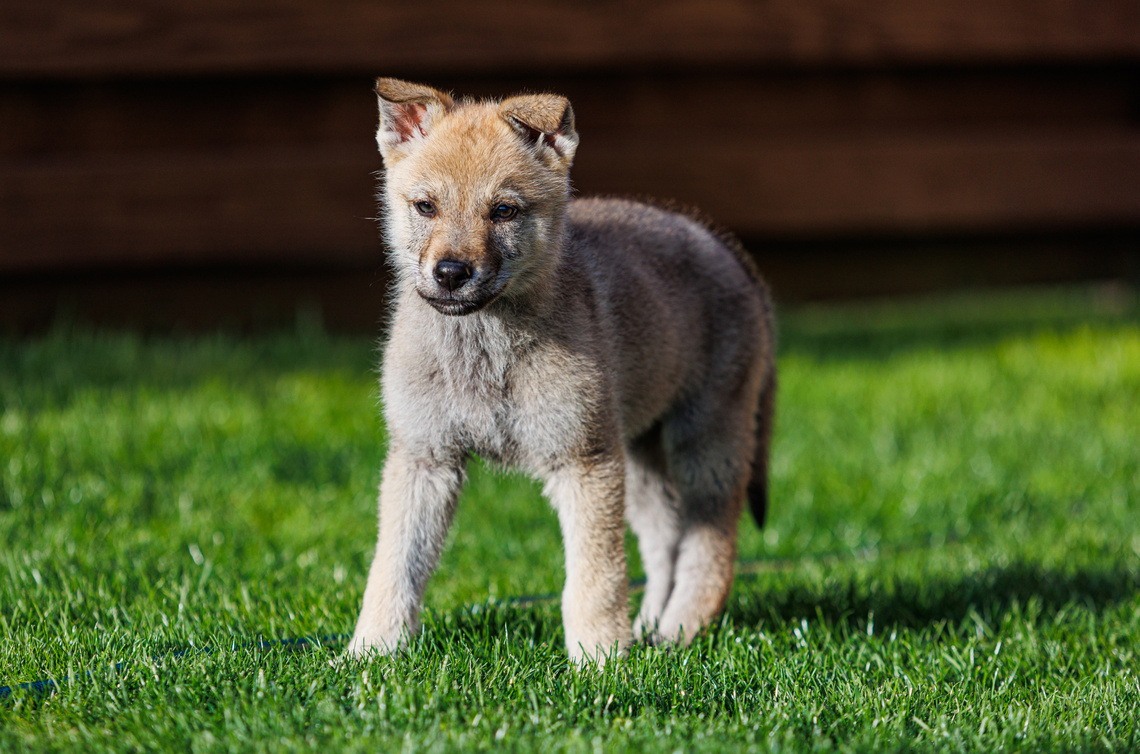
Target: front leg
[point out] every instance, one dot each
(589, 496)
(417, 501)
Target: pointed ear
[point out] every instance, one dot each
(407, 113)
(546, 122)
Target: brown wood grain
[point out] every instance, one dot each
(75, 38)
(313, 207)
(47, 118)
(275, 207)
(836, 185)
(184, 300)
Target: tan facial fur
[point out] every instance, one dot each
(466, 163)
(620, 352)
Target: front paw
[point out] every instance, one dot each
(597, 655)
(365, 644)
(594, 636)
(596, 642)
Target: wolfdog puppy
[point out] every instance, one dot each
(619, 352)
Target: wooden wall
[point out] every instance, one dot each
(169, 137)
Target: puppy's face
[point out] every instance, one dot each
(474, 194)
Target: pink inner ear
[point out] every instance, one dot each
(408, 119)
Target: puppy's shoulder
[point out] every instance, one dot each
(656, 227)
(623, 214)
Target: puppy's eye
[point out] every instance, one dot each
(427, 209)
(503, 212)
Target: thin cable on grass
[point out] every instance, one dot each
(46, 686)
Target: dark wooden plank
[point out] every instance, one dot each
(255, 207)
(74, 38)
(49, 118)
(833, 185)
(268, 297)
(45, 119)
(312, 207)
(165, 299)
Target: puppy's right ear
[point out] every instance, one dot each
(407, 113)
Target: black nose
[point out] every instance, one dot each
(452, 274)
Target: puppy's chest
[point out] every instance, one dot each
(516, 406)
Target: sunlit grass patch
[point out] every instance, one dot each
(952, 559)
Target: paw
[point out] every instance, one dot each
(645, 630)
(595, 636)
(597, 655)
(677, 633)
(364, 645)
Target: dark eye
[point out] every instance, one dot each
(503, 212)
(427, 209)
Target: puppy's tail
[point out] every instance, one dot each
(765, 415)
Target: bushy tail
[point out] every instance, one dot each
(758, 486)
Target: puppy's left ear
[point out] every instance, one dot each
(546, 123)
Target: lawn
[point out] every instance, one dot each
(952, 560)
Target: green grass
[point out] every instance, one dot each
(952, 560)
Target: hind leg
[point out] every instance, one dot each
(652, 512)
(703, 575)
(710, 464)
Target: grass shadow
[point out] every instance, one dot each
(918, 602)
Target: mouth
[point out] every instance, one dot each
(454, 307)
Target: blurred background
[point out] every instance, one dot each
(176, 164)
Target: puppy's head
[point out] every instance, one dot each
(475, 192)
